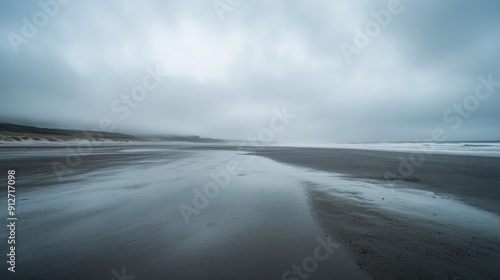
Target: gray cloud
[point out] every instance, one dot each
(225, 77)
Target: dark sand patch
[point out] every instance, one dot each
(390, 246)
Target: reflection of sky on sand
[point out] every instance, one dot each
(128, 215)
(401, 199)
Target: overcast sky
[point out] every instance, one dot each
(227, 65)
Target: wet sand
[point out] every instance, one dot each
(473, 180)
(119, 208)
(401, 244)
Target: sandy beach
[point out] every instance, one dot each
(284, 213)
(418, 239)
(119, 208)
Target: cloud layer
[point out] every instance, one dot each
(230, 63)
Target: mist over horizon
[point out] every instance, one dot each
(222, 71)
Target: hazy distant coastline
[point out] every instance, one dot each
(29, 134)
